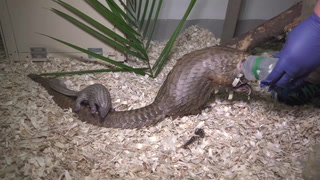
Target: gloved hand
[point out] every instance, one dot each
(299, 56)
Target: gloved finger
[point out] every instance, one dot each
(265, 83)
(273, 77)
(277, 55)
(299, 80)
(285, 79)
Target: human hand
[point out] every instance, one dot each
(299, 56)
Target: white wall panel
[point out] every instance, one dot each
(22, 19)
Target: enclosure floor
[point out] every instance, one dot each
(244, 139)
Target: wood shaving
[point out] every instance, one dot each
(255, 139)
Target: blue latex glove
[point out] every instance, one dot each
(299, 56)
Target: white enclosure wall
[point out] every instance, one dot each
(210, 14)
(22, 19)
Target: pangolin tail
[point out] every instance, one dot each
(131, 119)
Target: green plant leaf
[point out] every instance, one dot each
(119, 23)
(121, 65)
(107, 14)
(137, 14)
(158, 66)
(148, 21)
(97, 34)
(144, 14)
(89, 71)
(154, 23)
(128, 11)
(139, 10)
(119, 12)
(133, 7)
(99, 26)
(113, 7)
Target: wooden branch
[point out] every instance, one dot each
(271, 28)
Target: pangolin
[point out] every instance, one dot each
(185, 91)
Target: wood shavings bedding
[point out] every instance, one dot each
(255, 139)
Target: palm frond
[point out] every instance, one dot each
(135, 22)
(157, 67)
(154, 23)
(121, 65)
